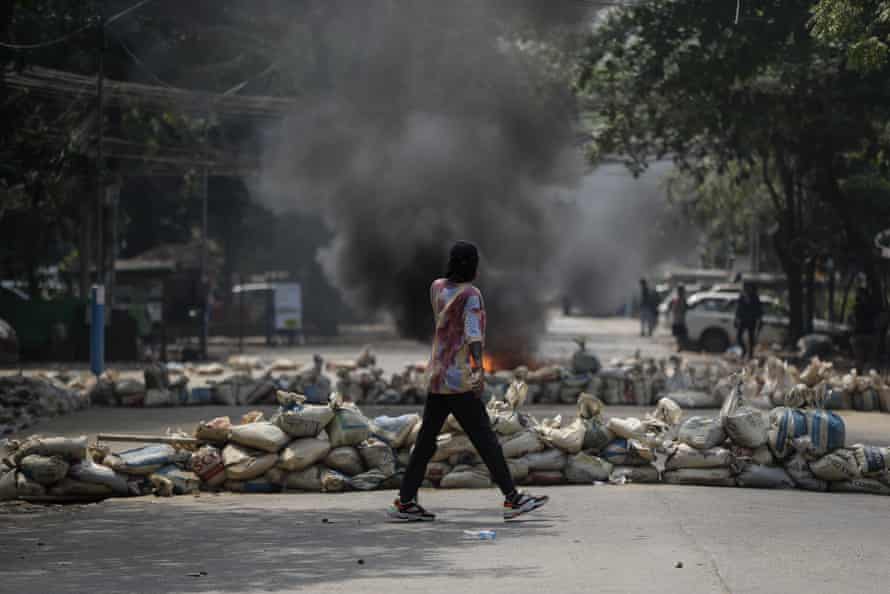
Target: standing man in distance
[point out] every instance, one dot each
(457, 380)
(748, 318)
(648, 309)
(678, 318)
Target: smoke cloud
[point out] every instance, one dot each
(622, 229)
(434, 127)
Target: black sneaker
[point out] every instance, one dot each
(409, 512)
(522, 504)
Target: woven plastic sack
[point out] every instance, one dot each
(302, 453)
(519, 444)
(395, 430)
(67, 448)
(207, 463)
(711, 477)
(45, 470)
(634, 474)
(349, 427)
(860, 485)
(872, 460)
(346, 459)
(839, 465)
(597, 436)
(827, 431)
(685, 456)
(298, 419)
(798, 468)
(367, 481)
(259, 436)
(215, 430)
(257, 485)
(569, 439)
(745, 426)
(589, 406)
(69, 487)
(627, 452)
(702, 433)
(466, 477)
(788, 425)
(585, 469)
(308, 479)
(144, 460)
(436, 470)
(551, 459)
(242, 464)
(764, 477)
(378, 455)
(87, 471)
(183, 481)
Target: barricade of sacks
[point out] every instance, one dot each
(786, 448)
(777, 383)
(242, 380)
(24, 400)
(635, 381)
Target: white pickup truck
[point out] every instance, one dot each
(710, 320)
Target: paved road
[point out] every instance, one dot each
(590, 539)
(627, 538)
(607, 337)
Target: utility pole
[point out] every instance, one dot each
(100, 157)
(205, 276)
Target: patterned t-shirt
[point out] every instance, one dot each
(460, 321)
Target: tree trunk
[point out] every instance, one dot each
(811, 296)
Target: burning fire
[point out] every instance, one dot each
(508, 361)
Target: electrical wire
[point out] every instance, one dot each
(142, 65)
(72, 34)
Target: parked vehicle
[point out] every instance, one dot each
(711, 321)
(9, 344)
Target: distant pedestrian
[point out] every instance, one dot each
(648, 309)
(457, 380)
(748, 319)
(866, 313)
(679, 307)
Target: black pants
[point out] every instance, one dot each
(751, 330)
(470, 412)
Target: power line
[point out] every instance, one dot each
(72, 34)
(142, 65)
(58, 40)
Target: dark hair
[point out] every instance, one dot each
(463, 260)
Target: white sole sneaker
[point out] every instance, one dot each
(532, 504)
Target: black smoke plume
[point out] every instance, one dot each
(439, 120)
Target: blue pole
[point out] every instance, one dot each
(97, 329)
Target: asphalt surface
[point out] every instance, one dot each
(630, 538)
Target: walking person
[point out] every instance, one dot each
(748, 319)
(648, 309)
(455, 387)
(679, 307)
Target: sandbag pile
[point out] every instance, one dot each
(47, 469)
(334, 447)
(818, 385)
(26, 399)
(791, 447)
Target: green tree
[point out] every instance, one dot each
(860, 27)
(681, 79)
